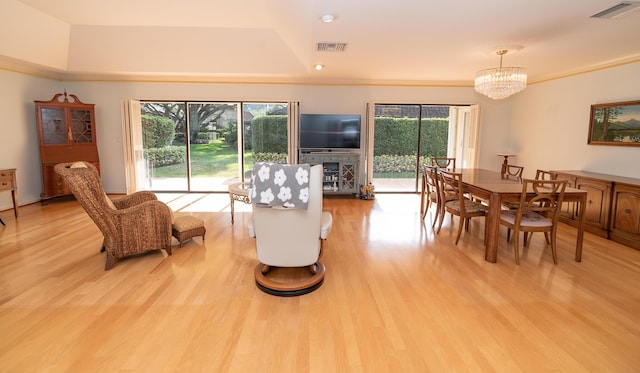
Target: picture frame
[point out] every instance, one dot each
(616, 124)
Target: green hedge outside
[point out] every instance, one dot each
(270, 157)
(268, 133)
(398, 136)
(157, 132)
(165, 156)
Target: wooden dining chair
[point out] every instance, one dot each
(451, 186)
(449, 163)
(539, 213)
(512, 170)
(432, 195)
(540, 175)
(429, 194)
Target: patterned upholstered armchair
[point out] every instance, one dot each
(133, 224)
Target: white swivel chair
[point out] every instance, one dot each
(291, 237)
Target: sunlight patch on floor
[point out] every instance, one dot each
(404, 226)
(201, 202)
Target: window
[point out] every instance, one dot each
(203, 146)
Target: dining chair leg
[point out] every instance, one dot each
(423, 209)
(460, 224)
(554, 252)
(442, 215)
(436, 217)
(516, 249)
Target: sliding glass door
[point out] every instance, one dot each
(205, 146)
(406, 137)
(395, 147)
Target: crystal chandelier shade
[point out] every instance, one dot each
(501, 82)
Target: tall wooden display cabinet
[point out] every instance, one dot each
(66, 133)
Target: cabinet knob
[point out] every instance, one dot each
(627, 211)
(589, 202)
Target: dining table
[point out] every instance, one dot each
(496, 188)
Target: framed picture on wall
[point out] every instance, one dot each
(616, 123)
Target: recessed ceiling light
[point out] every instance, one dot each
(328, 18)
(318, 66)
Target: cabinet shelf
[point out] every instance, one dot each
(340, 171)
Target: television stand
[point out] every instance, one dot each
(340, 170)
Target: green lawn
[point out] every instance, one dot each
(215, 159)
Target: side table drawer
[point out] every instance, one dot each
(6, 174)
(6, 180)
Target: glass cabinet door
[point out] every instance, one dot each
(81, 131)
(53, 126)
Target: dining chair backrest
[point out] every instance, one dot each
(546, 201)
(451, 185)
(449, 163)
(545, 175)
(455, 203)
(430, 193)
(512, 170)
(431, 174)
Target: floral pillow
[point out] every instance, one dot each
(274, 184)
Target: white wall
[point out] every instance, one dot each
(550, 123)
(18, 132)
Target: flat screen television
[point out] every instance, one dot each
(329, 131)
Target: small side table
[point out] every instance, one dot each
(8, 182)
(506, 157)
(238, 192)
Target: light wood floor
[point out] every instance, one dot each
(396, 298)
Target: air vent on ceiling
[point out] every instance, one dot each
(331, 47)
(619, 10)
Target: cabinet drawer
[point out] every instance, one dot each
(52, 184)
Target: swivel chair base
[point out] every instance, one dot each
(289, 289)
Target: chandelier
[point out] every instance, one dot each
(501, 82)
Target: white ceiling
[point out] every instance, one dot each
(426, 42)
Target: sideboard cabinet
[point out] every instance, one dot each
(340, 171)
(613, 205)
(66, 133)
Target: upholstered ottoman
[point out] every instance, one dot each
(186, 227)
